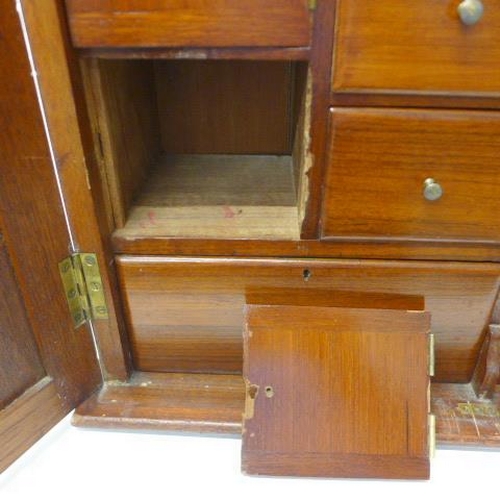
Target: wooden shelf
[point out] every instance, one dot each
(216, 196)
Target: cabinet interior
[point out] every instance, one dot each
(201, 148)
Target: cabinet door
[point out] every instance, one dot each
(336, 392)
(46, 367)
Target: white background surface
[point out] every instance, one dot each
(80, 463)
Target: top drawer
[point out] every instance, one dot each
(419, 45)
(189, 23)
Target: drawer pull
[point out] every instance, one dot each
(432, 190)
(470, 11)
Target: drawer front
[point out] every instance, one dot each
(413, 175)
(187, 314)
(189, 23)
(423, 46)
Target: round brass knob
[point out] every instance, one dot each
(470, 11)
(432, 190)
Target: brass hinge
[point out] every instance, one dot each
(432, 356)
(82, 285)
(312, 4)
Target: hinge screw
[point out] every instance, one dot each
(95, 287)
(90, 260)
(65, 267)
(72, 293)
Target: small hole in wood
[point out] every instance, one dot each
(252, 391)
(269, 391)
(306, 274)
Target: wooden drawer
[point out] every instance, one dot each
(187, 314)
(421, 46)
(381, 160)
(189, 23)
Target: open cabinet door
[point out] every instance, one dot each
(46, 365)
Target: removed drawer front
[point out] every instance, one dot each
(189, 23)
(187, 314)
(421, 46)
(413, 175)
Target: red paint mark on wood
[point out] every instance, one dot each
(152, 217)
(229, 213)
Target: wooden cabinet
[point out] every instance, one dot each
(210, 152)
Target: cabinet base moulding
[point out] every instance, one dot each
(214, 404)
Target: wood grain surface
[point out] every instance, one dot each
(421, 47)
(191, 23)
(225, 107)
(376, 191)
(28, 418)
(465, 420)
(122, 99)
(336, 392)
(20, 363)
(213, 196)
(61, 85)
(168, 401)
(187, 314)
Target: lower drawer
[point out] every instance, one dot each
(404, 174)
(186, 314)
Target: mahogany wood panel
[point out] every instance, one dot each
(376, 191)
(422, 47)
(186, 314)
(20, 364)
(239, 107)
(320, 92)
(61, 85)
(122, 97)
(35, 231)
(168, 401)
(191, 23)
(362, 249)
(28, 418)
(337, 392)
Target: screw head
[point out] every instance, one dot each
(90, 260)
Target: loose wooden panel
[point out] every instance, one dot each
(390, 46)
(20, 364)
(336, 392)
(241, 107)
(186, 314)
(376, 191)
(122, 99)
(191, 23)
(168, 401)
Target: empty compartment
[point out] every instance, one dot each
(201, 149)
